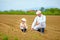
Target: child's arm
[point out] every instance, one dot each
(26, 26)
(21, 26)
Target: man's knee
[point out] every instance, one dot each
(39, 30)
(35, 28)
(43, 25)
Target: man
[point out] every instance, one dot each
(39, 22)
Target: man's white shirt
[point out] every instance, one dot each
(41, 20)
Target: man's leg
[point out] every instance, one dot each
(42, 30)
(37, 28)
(43, 25)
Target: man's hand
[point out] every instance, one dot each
(37, 23)
(32, 29)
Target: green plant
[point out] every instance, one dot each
(15, 38)
(5, 37)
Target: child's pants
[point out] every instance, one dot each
(24, 30)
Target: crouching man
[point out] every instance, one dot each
(39, 23)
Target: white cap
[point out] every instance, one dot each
(38, 12)
(23, 19)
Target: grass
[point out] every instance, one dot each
(5, 37)
(15, 38)
(49, 11)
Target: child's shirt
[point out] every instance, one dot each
(22, 26)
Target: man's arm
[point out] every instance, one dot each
(43, 19)
(34, 22)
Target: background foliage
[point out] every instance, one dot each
(48, 11)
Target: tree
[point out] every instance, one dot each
(42, 8)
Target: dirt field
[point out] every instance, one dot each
(9, 25)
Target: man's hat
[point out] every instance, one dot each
(38, 12)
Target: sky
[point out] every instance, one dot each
(28, 4)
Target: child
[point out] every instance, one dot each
(23, 25)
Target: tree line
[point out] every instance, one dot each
(48, 11)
